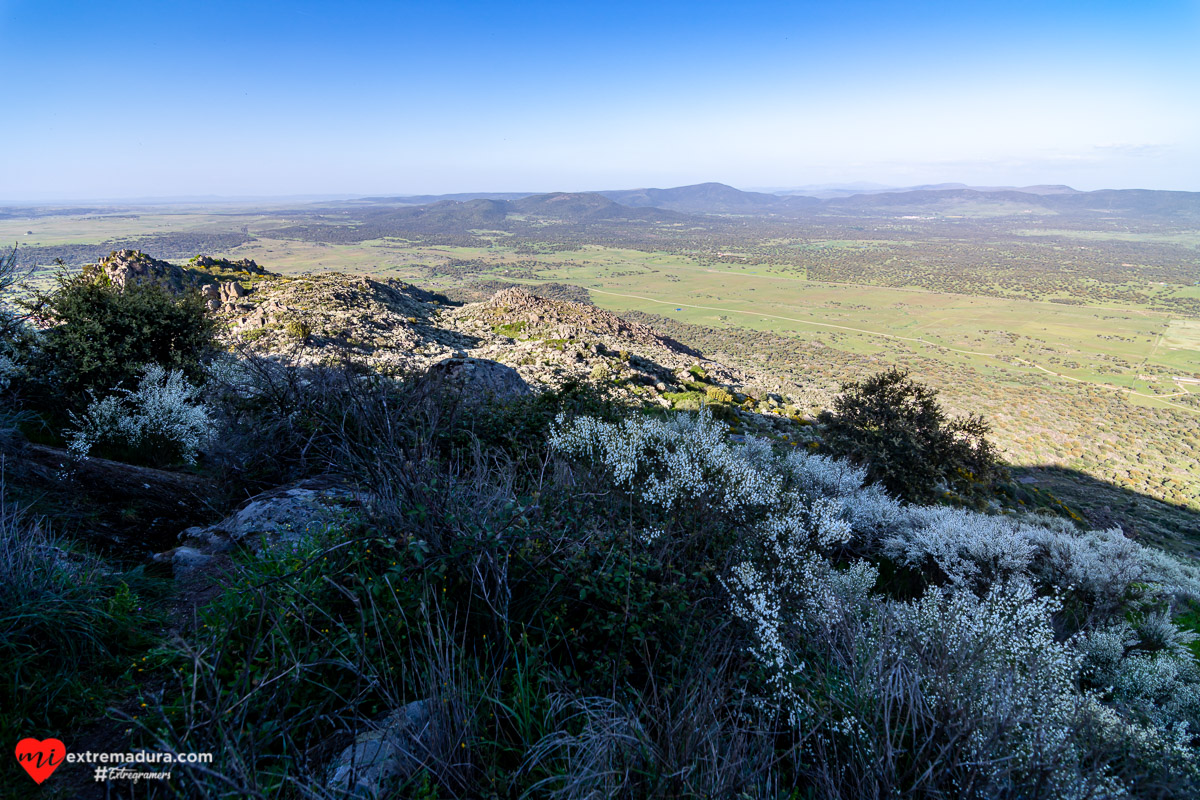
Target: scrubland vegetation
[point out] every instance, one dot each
(1069, 385)
(589, 598)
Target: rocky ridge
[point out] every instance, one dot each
(395, 327)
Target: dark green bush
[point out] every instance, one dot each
(101, 335)
(896, 428)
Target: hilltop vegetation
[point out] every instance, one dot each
(524, 547)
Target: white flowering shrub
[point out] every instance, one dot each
(822, 475)
(976, 672)
(10, 368)
(952, 694)
(664, 462)
(1147, 670)
(1102, 649)
(227, 376)
(969, 548)
(162, 420)
(997, 659)
(973, 550)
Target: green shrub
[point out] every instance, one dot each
(254, 334)
(612, 609)
(716, 394)
(896, 427)
(101, 336)
(298, 329)
(684, 401)
(511, 329)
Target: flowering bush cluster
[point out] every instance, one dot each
(10, 367)
(161, 419)
(665, 462)
(13, 328)
(981, 655)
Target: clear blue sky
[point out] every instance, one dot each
(120, 99)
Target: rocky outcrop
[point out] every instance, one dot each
(477, 380)
(513, 342)
(217, 295)
(551, 341)
(394, 327)
(330, 317)
(125, 267)
(247, 266)
(534, 315)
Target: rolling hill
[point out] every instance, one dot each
(717, 199)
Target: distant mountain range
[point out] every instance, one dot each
(676, 204)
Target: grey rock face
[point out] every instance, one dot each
(125, 267)
(391, 752)
(279, 516)
(231, 290)
(478, 380)
(188, 559)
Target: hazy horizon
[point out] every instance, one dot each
(140, 100)
(315, 197)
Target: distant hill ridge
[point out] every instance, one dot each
(674, 204)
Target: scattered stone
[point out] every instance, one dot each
(184, 560)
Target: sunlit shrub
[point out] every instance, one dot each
(99, 335)
(896, 428)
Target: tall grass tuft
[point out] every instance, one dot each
(67, 625)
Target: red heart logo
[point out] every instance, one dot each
(40, 759)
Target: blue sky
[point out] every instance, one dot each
(124, 99)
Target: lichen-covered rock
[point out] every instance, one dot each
(389, 325)
(390, 752)
(477, 380)
(280, 516)
(125, 267)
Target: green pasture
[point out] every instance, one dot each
(1102, 345)
(1185, 238)
(1099, 345)
(95, 228)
